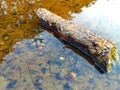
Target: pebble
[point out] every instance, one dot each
(40, 53)
(5, 12)
(32, 2)
(13, 3)
(32, 62)
(42, 44)
(39, 81)
(18, 43)
(40, 64)
(17, 24)
(5, 37)
(43, 70)
(38, 43)
(72, 74)
(60, 76)
(41, 47)
(4, 5)
(30, 15)
(67, 86)
(62, 58)
(23, 22)
(21, 16)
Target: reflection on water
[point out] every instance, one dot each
(18, 19)
(102, 18)
(41, 62)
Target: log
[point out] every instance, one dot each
(101, 50)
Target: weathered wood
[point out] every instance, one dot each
(101, 50)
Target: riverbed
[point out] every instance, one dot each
(34, 59)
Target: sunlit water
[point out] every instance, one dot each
(42, 62)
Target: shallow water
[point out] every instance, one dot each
(19, 20)
(36, 60)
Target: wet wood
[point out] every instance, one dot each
(100, 49)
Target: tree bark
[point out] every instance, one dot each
(101, 50)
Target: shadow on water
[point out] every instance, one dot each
(18, 19)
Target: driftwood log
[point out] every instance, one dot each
(101, 50)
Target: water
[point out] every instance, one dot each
(36, 60)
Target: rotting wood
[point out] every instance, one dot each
(101, 50)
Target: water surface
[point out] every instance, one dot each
(36, 60)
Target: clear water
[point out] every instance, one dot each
(42, 62)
